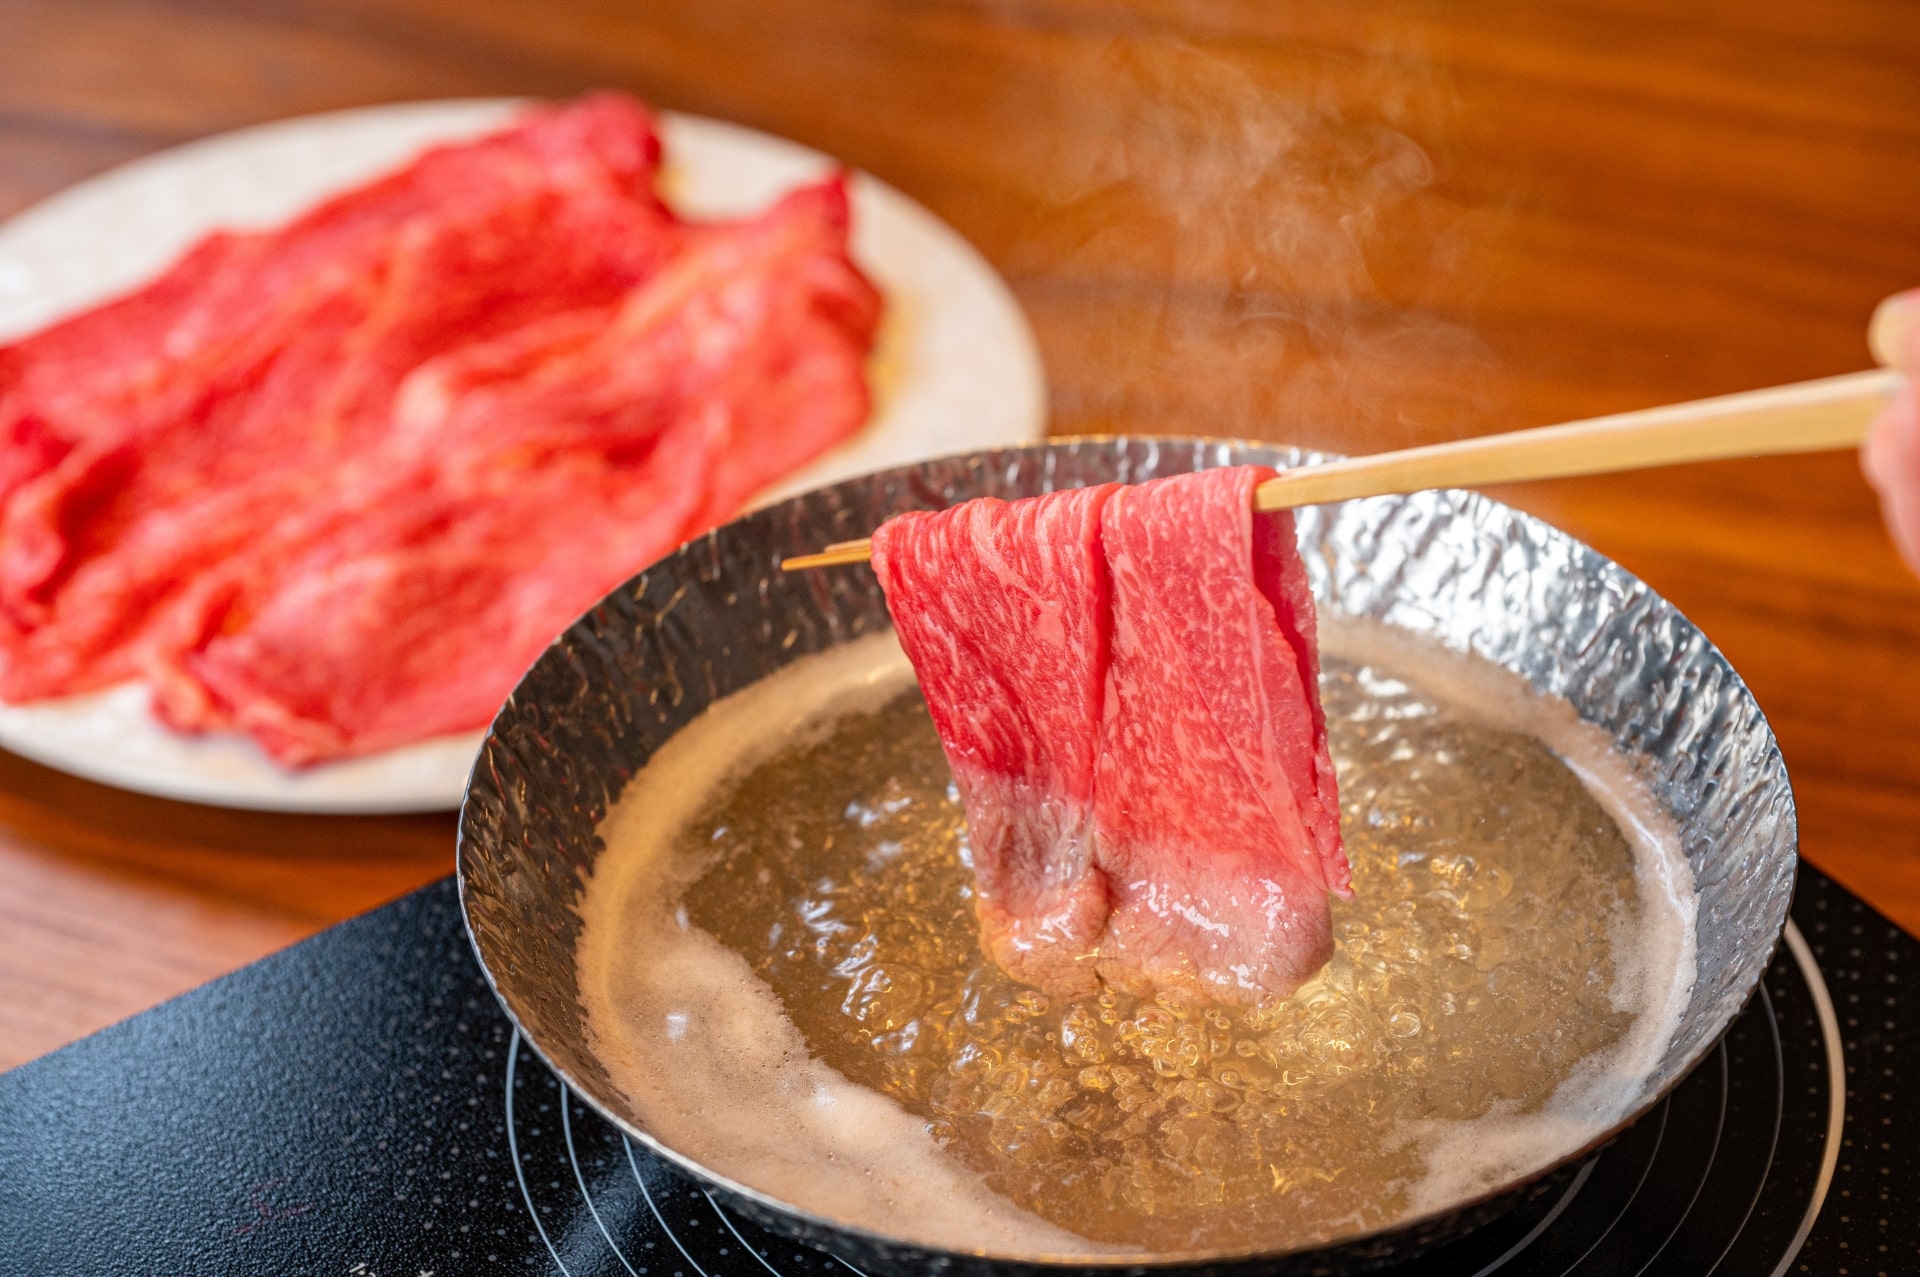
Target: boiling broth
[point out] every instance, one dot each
(1492, 988)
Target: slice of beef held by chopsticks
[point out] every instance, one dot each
(1003, 610)
(1126, 686)
(1217, 814)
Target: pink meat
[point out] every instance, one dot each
(222, 303)
(337, 484)
(1003, 610)
(1217, 812)
(432, 612)
(160, 435)
(1126, 686)
(526, 478)
(759, 328)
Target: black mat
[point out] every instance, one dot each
(358, 1105)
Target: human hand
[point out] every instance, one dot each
(1891, 455)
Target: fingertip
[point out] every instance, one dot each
(1894, 331)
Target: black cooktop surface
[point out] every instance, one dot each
(359, 1105)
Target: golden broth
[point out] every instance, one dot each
(1478, 973)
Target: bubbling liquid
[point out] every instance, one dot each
(1494, 998)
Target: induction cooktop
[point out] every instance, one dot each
(359, 1105)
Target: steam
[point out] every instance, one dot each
(1307, 272)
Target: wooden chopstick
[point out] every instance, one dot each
(1807, 416)
(1810, 416)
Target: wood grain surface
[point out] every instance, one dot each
(1351, 224)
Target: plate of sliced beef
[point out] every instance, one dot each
(313, 435)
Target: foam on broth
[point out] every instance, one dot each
(713, 1061)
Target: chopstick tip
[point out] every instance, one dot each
(835, 555)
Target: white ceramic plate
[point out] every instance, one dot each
(956, 369)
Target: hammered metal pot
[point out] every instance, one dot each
(718, 614)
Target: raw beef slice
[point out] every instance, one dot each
(221, 302)
(525, 478)
(1003, 610)
(1218, 819)
(336, 484)
(149, 441)
(1126, 686)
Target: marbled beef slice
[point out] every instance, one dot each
(1002, 609)
(1126, 686)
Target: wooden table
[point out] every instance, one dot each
(1350, 225)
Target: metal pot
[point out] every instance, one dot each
(718, 614)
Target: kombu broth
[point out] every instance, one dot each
(1474, 975)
